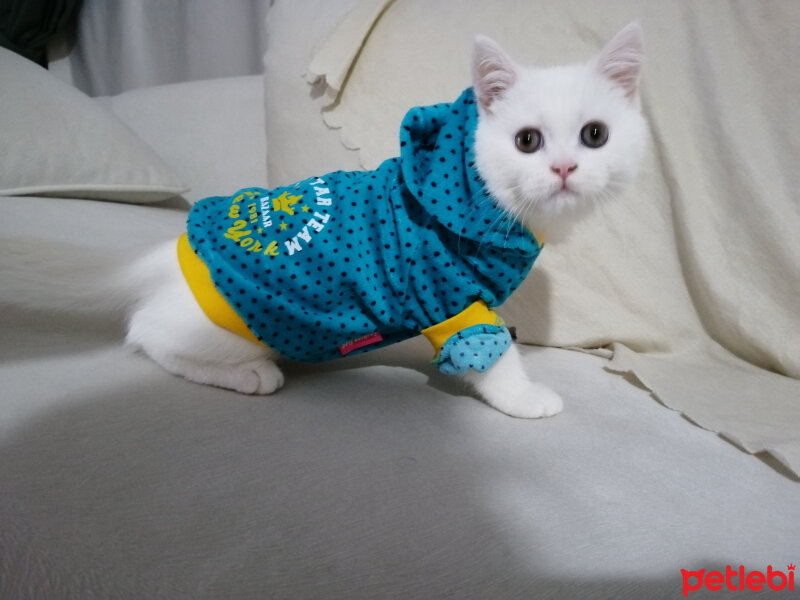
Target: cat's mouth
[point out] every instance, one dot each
(562, 187)
(564, 190)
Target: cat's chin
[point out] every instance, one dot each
(552, 219)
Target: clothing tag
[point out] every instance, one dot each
(364, 340)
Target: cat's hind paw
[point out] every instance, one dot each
(258, 377)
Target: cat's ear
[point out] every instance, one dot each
(621, 59)
(493, 71)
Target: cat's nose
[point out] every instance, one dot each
(563, 169)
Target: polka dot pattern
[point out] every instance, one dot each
(476, 348)
(313, 266)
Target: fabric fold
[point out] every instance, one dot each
(335, 58)
(754, 409)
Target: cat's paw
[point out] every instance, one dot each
(531, 401)
(260, 377)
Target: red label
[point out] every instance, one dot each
(364, 340)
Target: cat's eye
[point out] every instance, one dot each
(528, 140)
(594, 134)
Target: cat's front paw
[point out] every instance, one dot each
(531, 401)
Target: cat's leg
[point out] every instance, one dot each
(170, 327)
(258, 376)
(506, 387)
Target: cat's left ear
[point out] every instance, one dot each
(621, 59)
(493, 71)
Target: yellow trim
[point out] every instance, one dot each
(210, 300)
(476, 313)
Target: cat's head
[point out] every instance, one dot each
(551, 142)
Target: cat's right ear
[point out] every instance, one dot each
(493, 71)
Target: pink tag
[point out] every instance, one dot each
(364, 340)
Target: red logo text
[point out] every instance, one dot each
(738, 579)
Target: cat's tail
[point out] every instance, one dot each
(53, 276)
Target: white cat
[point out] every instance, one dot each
(548, 144)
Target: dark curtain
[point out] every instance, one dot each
(26, 26)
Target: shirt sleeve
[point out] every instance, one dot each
(473, 339)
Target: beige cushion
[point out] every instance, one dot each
(58, 141)
(210, 131)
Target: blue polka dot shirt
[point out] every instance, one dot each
(350, 261)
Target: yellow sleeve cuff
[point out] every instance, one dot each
(476, 313)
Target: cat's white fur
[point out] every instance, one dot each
(558, 101)
(166, 323)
